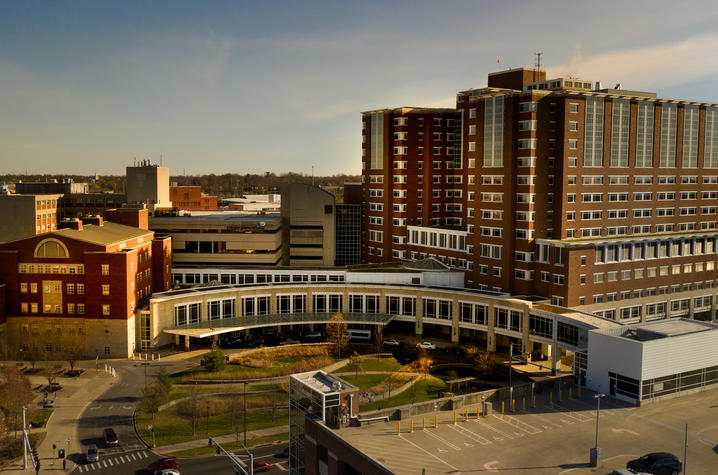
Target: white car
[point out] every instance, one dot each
(167, 471)
(391, 342)
(426, 345)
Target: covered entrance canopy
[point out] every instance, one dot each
(207, 328)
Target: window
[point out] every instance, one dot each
(573, 107)
(667, 155)
(593, 133)
(105, 310)
(105, 289)
(619, 132)
(80, 289)
(105, 269)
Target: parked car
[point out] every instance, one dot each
(426, 345)
(93, 455)
(284, 454)
(313, 336)
(261, 466)
(167, 471)
(257, 343)
(627, 471)
(391, 342)
(289, 341)
(657, 463)
(111, 439)
(163, 463)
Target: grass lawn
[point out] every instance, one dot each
(171, 427)
(181, 391)
(233, 446)
(421, 391)
(375, 364)
(41, 417)
(279, 367)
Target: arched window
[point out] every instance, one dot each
(51, 248)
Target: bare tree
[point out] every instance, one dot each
(15, 392)
(153, 396)
(357, 364)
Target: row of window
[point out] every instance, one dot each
(648, 292)
(72, 308)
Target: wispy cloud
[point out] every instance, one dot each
(662, 65)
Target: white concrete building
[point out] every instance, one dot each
(648, 361)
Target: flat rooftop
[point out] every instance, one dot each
(553, 438)
(666, 329)
(323, 382)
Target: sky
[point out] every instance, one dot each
(270, 86)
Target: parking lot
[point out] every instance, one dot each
(555, 437)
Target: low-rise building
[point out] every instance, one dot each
(27, 215)
(75, 291)
(192, 198)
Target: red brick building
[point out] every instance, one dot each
(192, 198)
(592, 197)
(76, 290)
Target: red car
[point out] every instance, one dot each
(261, 466)
(161, 464)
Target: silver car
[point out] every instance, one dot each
(93, 455)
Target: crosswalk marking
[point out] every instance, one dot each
(112, 461)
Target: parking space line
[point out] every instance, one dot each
(442, 440)
(518, 424)
(544, 421)
(122, 459)
(494, 429)
(571, 413)
(474, 436)
(110, 462)
(429, 453)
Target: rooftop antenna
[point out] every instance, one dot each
(312, 175)
(538, 55)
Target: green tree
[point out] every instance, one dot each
(214, 360)
(337, 332)
(164, 379)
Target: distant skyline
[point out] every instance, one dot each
(251, 87)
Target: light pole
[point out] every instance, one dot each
(596, 451)
(244, 413)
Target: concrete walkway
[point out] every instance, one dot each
(222, 439)
(61, 429)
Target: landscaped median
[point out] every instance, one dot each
(210, 399)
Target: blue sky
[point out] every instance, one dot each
(249, 87)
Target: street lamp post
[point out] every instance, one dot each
(244, 413)
(596, 451)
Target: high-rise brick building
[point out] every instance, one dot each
(600, 198)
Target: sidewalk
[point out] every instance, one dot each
(222, 439)
(76, 394)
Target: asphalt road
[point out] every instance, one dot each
(115, 409)
(136, 462)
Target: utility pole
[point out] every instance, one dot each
(596, 451)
